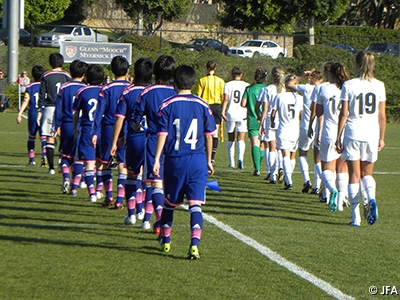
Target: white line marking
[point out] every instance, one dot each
(275, 257)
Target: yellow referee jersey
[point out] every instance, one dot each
(210, 88)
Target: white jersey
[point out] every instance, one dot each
(306, 90)
(235, 89)
(329, 98)
(363, 97)
(268, 94)
(288, 106)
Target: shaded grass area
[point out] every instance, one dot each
(56, 246)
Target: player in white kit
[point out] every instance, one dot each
(235, 116)
(314, 77)
(363, 120)
(288, 106)
(328, 106)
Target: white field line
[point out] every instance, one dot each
(275, 257)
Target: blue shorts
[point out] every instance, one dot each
(33, 125)
(67, 140)
(151, 141)
(185, 175)
(134, 152)
(84, 149)
(106, 136)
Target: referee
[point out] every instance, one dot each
(211, 88)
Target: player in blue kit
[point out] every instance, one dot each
(185, 126)
(103, 128)
(30, 101)
(148, 105)
(50, 84)
(134, 140)
(84, 106)
(63, 121)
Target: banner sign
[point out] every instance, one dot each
(95, 53)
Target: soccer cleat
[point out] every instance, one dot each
(74, 193)
(99, 195)
(333, 201)
(306, 187)
(145, 225)
(118, 206)
(288, 187)
(373, 212)
(268, 178)
(32, 163)
(231, 166)
(165, 247)
(315, 191)
(281, 175)
(140, 215)
(240, 164)
(256, 173)
(92, 198)
(353, 223)
(108, 202)
(130, 220)
(193, 253)
(43, 163)
(52, 172)
(272, 182)
(83, 185)
(65, 188)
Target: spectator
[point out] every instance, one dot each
(3, 84)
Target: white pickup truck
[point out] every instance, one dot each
(66, 33)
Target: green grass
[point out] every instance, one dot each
(57, 247)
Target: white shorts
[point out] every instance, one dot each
(327, 150)
(47, 120)
(363, 151)
(285, 144)
(240, 126)
(304, 141)
(271, 132)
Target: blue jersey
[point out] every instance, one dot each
(86, 102)
(148, 104)
(32, 95)
(105, 112)
(185, 119)
(65, 98)
(126, 105)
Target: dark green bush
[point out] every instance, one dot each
(146, 43)
(358, 37)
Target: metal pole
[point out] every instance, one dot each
(13, 37)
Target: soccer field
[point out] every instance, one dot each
(258, 242)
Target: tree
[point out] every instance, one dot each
(44, 11)
(77, 12)
(375, 14)
(154, 12)
(317, 11)
(255, 15)
(278, 15)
